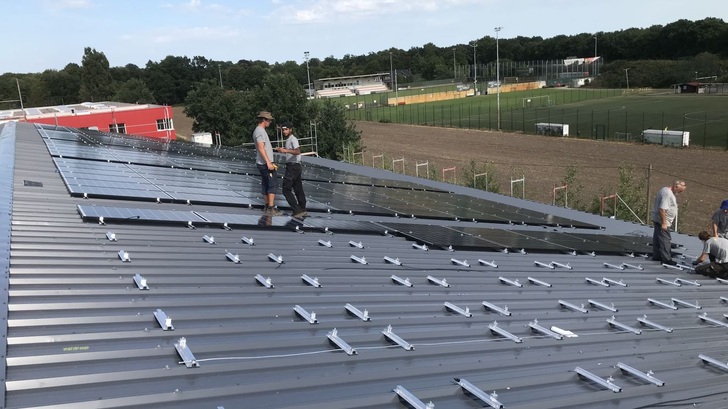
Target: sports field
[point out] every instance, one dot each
(590, 113)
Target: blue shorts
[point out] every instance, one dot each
(268, 179)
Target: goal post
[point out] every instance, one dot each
(537, 101)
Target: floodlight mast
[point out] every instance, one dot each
(497, 75)
(308, 73)
(474, 44)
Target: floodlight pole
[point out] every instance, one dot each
(475, 68)
(219, 72)
(308, 74)
(626, 74)
(497, 74)
(595, 55)
(454, 70)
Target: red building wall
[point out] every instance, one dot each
(142, 121)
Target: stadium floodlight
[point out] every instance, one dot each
(308, 73)
(474, 44)
(497, 74)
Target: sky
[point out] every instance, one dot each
(49, 34)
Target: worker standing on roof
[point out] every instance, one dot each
(292, 180)
(264, 162)
(664, 212)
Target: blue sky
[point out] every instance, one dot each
(48, 34)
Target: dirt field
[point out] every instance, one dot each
(543, 161)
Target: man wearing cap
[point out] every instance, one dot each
(292, 180)
(664, 212)
(716, 249)
(720, 221)
(264, 162)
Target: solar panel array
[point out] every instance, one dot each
(95, 164)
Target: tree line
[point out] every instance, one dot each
(657, 57)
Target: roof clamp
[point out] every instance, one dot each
(538, 282)
(333, 336)
(544, 265)
(514, 283)
(188, 202)
(358, 245)
(184, 352)
(689, 282)
(265, 282)
(563, 332)
(208, 239)
(602, 306)
(325, 243)
(610, 265)
(505, 251)
(463, 263)
(298, 229)
(614, 323)
(723, 299)
(631, 255)
(391, 260)
(675, 267)
(573, 307)
(437, 281)
(491, 400)
(313, 282)
(164, 320)
(449, 248)
(454, 308)
(668, 282)
(566, 266)
(233, 257)
(661, 304)
(360, 260)
(101, 221)
(305, 315)
(495, 308)
(422, 247)
(707, 359)
(248, 241)
(276, 259)
(364, 316)
(536, 327)
(402, 281)
(488, 263)
(391, 336)
(632, 266)
(686, 304)
(605, 383)
(644, 321)
(124, 256)
(111, 236)
(413, 401)
(226, 227)
(592, 253)
(721, 280)
(159, 200)
(610, 281)
(141, 282)
(191, 226)
(704, 317)
(327, 231)
(595, 282)
(495, 329)
(85, 195)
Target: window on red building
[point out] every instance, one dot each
(164, 124)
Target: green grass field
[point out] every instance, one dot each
(590, 113)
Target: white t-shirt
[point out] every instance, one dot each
(665, 199)
(718, 248)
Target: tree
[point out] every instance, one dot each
(215, 110)
(60, 87)
(134, 91)
(333, 131)
(96, 80)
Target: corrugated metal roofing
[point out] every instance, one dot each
(82, 334)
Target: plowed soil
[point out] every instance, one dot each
(543, 162)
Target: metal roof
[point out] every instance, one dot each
(349, 318)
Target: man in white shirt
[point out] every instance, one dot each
(293, 179)
(715, 249)
(664, 212)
